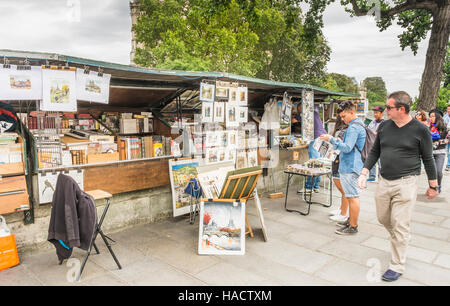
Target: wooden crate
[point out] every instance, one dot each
(103, 157)
(14, 168)
(13, 193)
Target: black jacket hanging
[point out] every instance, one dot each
(73, 218)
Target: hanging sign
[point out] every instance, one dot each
(20, 82)
(92, 86)
(59, 90)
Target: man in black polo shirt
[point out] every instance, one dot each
(400, 144)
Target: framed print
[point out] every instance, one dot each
(222, 89)
(222, 139)
(207, 112)
(285, 115)
(58, 91)
(334, 113)
(47, 184)
(242, 95)
(207, 92)
(211, 139)
(231, 155)
(241, 159)
(222, 228)
(232, 116)
(92, 87)
(252, 158)
(181, 171)
(232, 139)
(241, 139)
(243, 114)
(219, 112)
(211, 182)
(20, 84)
(221, 155)
(211, 155)
(233, 98)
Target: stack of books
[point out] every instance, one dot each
(10, 151)
(143, 147)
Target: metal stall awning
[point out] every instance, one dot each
(157, 89)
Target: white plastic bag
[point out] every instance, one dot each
(4, 230)
(271, 117)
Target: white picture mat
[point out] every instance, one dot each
(219, 112)
(101, 81)
(242, 95)
(179, 186)
(207, 92)
(47, 184)
(221, 213)
(56, 79)
(232, 120)
(244, 111)
(31, 91)
(207, 112)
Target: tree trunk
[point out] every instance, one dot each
(437, 46)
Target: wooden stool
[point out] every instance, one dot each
(99, 195)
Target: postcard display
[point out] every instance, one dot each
(308, 116)
(225, 103)
(222, 224)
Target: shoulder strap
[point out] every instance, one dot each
(365, 128)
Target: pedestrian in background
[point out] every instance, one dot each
(438, 131)
(400, 144)
(447, 123)
(373, 126)
(312, 153)
(421, 116)
(350, 163)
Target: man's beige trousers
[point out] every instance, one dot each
(395, 203)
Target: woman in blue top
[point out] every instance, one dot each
(350, 163)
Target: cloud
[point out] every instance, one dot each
(103, 33)
(360, 50)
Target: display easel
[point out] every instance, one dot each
(238, 187)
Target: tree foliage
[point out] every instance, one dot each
(417, 18)
(270, 39)
(376, 90)
(345, 83)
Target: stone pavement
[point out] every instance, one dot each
(301, 250)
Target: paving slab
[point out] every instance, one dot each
(301, 250)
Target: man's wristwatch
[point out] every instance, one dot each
(436, 188)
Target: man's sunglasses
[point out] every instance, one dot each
(391, 107)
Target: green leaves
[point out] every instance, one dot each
(260, 38)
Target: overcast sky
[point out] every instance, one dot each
(102, 31)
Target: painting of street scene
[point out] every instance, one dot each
(222, 228)
(20, 82)
(60, 91)
(180, 174)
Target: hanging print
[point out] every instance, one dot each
(92, 87)
(59, 90)
(20, 84)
